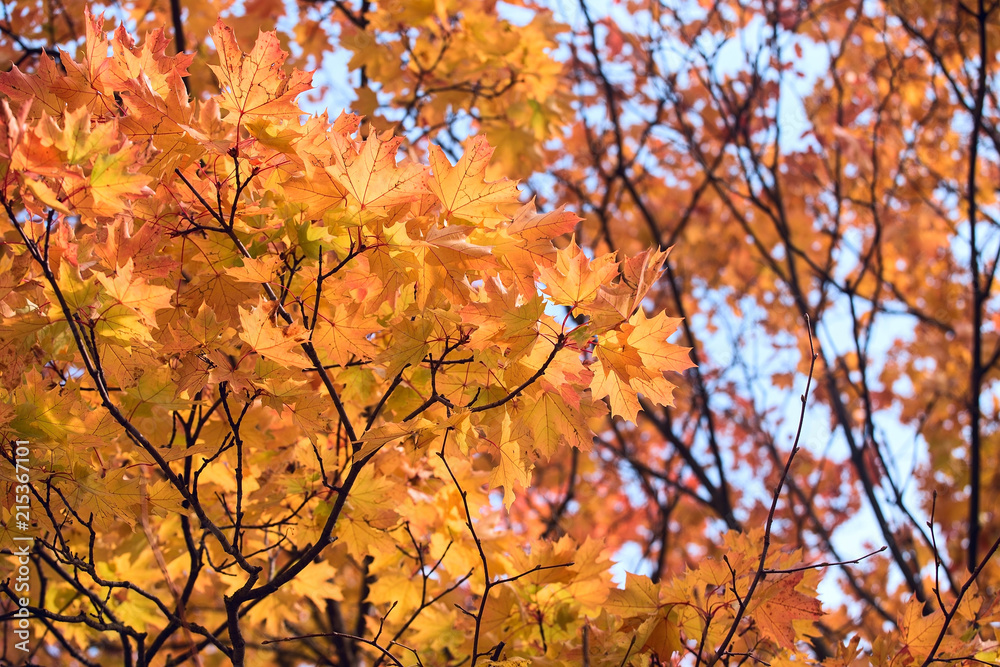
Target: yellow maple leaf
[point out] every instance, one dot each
(511, 470)
(134, 292)
(78, 293)
(409, 346)
(462, 189)
(278, 344)
(342, 334)
(77, 140)
(553, 420)
(114, 178)
(919, 633)
(640, 597)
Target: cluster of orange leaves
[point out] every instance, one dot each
(369, 345)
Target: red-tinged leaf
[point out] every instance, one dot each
(501, 318)
(254, 84)
(37, 88)
(529, 224)
(642, 271)
(161, 73)
(121, 242)
(372, 176)
(777, 606)
(462, 190)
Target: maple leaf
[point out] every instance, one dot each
(556, 420)
(511, 470)
(160, 73)
(531, 245)
(367, 537)
(254, 84)
(44, 194)
(112, 497)
(445, 257)
(310, 411)
(575, 279)
(380, 436)
(649, 338)
(77, 140)
(618, 301)
(78, 293)
(502, 317)
(122, 324)
(279, 344)
(919, 632)
(633, 360)
(318, 584)
(38, 87)
(531, 225)
(114, 178)
(121, 240)
(462, 190)
(409, 346)
(620, 376)
(640, 597)
(136, 293)
(642, 271)
(777, 607)
(344, 334)
(255, 270)
(372, 176)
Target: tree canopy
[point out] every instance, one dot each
(705, 289)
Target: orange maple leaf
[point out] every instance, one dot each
(254, 84)
(649, 338)
(371, 174)
(575, 279)
(777, 606)
(463, 191)
(632, 361)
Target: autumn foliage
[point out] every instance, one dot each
(399, 386)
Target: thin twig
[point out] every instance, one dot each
(761, 571)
